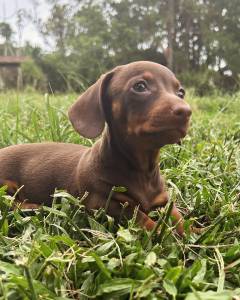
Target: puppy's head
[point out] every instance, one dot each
(142, 101)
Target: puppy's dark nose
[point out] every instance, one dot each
(182, 111)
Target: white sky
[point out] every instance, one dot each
(8, 13)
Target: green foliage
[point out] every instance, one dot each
(33, 117)
(6, 31)
(198, 40)
(201, 36)
(63, 253)
(203, 81)
(33, 75)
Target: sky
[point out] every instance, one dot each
(8, 13)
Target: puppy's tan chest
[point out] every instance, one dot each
(151, 202)
(159, 200)
(152, 195)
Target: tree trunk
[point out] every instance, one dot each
(170, 33)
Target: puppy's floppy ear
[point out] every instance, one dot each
(86, 114)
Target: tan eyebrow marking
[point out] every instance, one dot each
(148, 76)
(177, 84)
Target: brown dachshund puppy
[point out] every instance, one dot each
(143, 108)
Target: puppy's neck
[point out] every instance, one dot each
(125, 153)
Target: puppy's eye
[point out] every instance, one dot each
(140, 87)
(181, 93)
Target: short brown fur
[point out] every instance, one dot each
(138, 121)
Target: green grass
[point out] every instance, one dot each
(63, 253)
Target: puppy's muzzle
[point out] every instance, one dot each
(182, 112)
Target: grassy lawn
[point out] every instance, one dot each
(62, 253)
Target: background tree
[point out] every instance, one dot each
(6, 33)
(197, 39)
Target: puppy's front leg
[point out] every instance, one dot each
(178, 220)
(146, 222)
(161, 200)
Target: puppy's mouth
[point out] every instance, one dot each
(167, 135)
(179, 131)
(182, 131)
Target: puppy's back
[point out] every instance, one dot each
(40, 167)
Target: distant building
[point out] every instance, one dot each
(10, 71)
